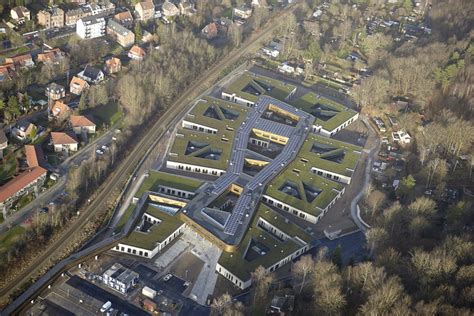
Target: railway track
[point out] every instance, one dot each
(126, 167)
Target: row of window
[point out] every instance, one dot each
(174, 192)
(202, 129)
(328, 175)
(284, 207)
(197, 169)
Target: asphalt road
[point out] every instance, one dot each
(55, 191)
(142, 148)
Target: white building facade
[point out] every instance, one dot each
(91, 27)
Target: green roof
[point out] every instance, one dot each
(220, 142)
(158, 232)
(157, 178)
(213, 142)
(279, 90)
(349, 154)
(197, 114)
(336, 113)
(328, 189)
(276, 249)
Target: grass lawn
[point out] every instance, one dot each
(6, 239)
(8, 167)
(23, 201)
(124, 218)
(106, 114)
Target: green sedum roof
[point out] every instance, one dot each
(157, 178)
(157, 233)
(280, 90)
(351, 154)
(237, 264)
(329, 189)
(308, 103)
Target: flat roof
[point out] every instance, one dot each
(326, 189)
(155, 179)
(261, 85)
(328, 114)
(187, 139)
(276, 249)
(157, 233)
(330, 154)
(217, 113)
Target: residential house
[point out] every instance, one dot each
(21, 61)
(26, 182)
(64, 141)
(20, 14)
(119, 278)
(186, 8)
(273, 49)
(145, 10)
(74, 15)
(78, 85)
(90, 27)
(7, 71)
(147, 37)
(91, 75)
(120, 33)
(125, 18)
(210, 31)
(169, 9)
(242, 12)
(103, 9)
(82, 124)
(34, 156)
(59, 111)
(24, 129)
(51, 56)
(291, 68)
(112, 65)
(136, 53)
(53, 17)
(401, 137)
(55, 91)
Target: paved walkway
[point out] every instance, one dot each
(209, 253)
(370, 156)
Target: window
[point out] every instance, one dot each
(320, 173)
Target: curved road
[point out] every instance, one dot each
(142, 148)
(370, 156)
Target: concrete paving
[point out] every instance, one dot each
(209, 253)
(172, 253)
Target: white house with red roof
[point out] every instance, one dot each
(64, 141)
(82, 124)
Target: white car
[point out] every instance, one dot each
(99, 152)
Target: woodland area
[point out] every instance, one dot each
(421, 252)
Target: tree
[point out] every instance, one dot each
(221, 304)
(138, 32)
(262, 281)
(302, 269)
(13, 107)
(328, 296)
(406, 186)
(376, 238)
(375, 199)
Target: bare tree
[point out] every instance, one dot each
(303, 269)
(262, 280)
(375, 199)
